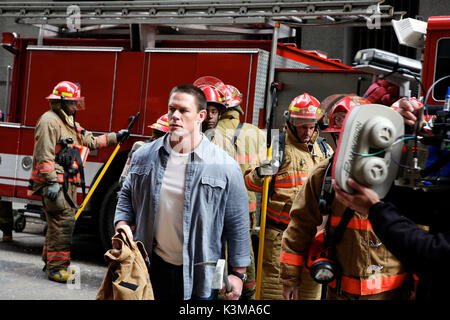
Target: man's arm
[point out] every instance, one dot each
(236, 231)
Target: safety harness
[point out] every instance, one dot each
(331, 240)
(72, 159)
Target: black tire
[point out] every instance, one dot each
(20, 223)
(106, 217)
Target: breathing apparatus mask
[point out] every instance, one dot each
(319, 263)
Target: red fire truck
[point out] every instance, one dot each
(120, 78)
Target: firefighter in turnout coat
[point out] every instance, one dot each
(303, 149)
(368, 271)
(60, 152)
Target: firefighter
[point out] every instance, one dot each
(60, 151)
(303, 149)
(160, 128)
(363, 268)
(6, 220)
(214, 108)
(246, 143)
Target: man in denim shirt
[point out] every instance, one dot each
(184, 215)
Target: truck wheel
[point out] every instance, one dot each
(106, 218)
(20, 223)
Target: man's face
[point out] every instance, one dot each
(212, 117)
(71, 107)
(305, 130)
(338, 118)
(184, 118)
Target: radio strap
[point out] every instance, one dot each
(333, 239)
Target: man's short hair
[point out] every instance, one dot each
(195, 91)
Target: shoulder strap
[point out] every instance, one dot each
(327, 191)
(236, 133)
(336, 237)
(322, 142)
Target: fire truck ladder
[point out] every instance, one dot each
(254, 15)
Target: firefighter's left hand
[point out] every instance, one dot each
(52, 191)
(360, 201)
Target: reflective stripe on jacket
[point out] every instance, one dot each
(367, 266)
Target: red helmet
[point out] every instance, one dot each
(213, 95)
(162, 124)
(304, 107)
(66, 90)
(340, 109)
(232, 96)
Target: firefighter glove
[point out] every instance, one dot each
(122, 135)
(52, 191)
(268, 168)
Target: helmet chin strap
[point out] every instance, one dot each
(293, 130)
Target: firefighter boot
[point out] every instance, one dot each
(61, 275)
(7, 238)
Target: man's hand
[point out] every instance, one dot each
(290, 293)
(116, 243)
(236, 284)
(360, 201)
(409, 110)
(236, 288)
(53, 191)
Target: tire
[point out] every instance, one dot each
(106, 217)
(20, 223)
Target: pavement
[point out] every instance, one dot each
(21, 275)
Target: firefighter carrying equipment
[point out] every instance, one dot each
(127, 277)
(368, 268)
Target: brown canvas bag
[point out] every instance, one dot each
(127, 277)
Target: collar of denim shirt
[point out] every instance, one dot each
(202, 152)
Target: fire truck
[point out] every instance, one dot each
(122, 75)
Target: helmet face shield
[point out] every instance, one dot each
(297, 122)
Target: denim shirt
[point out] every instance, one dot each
(215, 209)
